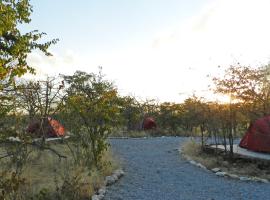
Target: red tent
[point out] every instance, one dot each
(50, 127)
(149, 123)
(257, 137)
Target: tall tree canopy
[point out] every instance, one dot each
(14, 45)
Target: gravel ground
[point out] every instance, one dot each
(155, 170)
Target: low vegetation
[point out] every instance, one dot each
(47, 176)
(238, 166)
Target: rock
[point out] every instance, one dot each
(256, 179)
(102, 191)
(109, 180)
(215, 170)
(264, 180)
(233, 176)
(101, 196)
(221, 173)
(201, 166)
(95, 197)
(192, 162)
(115, 176)
(244, 178)
(119, 173)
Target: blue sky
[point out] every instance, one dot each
(162, 49)
(105, 25)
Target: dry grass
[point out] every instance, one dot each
(237, 166)
(194, 151)
(46, 172)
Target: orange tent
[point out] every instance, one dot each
(58, 129)
(49, 128)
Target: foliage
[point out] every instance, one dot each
(251, 86)
(131, 113)
(93, 112)
(14, 45)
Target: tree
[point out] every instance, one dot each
(92, 107)
(248, 86)
(251, 86)
(40, 99)
(170, 116)
(131, 113)
(14, 45)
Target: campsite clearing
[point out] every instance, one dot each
(154, 170)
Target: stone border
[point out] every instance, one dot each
(109, 180)
(220, 173)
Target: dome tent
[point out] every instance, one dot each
(149, 123)
(50, 128)
(257, 137)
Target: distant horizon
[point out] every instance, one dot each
(152, 49)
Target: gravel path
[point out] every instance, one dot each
(154, 170)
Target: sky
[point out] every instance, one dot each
(161, 49)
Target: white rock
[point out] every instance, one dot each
(256, 179)
(264, 180)
(119, 173)
(115, 176)
(215, 170)
(192, 162)
(100, 196)
(244, 178)
(102, 191)
(109, 180)
(95, 197)
(233, 176)
(201, 166)
(221, 173)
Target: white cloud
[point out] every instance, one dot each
(178, 60)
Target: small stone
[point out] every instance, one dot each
(95, 197)
(201, 166)
(233, 176)
(119, 173)
(243, 178)
(102, 191)
(192, 162)
(101, 196)
(264, 180)
(215, 170)
(115, 176)
(221, 173)
(109, 180)
(256, 179)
